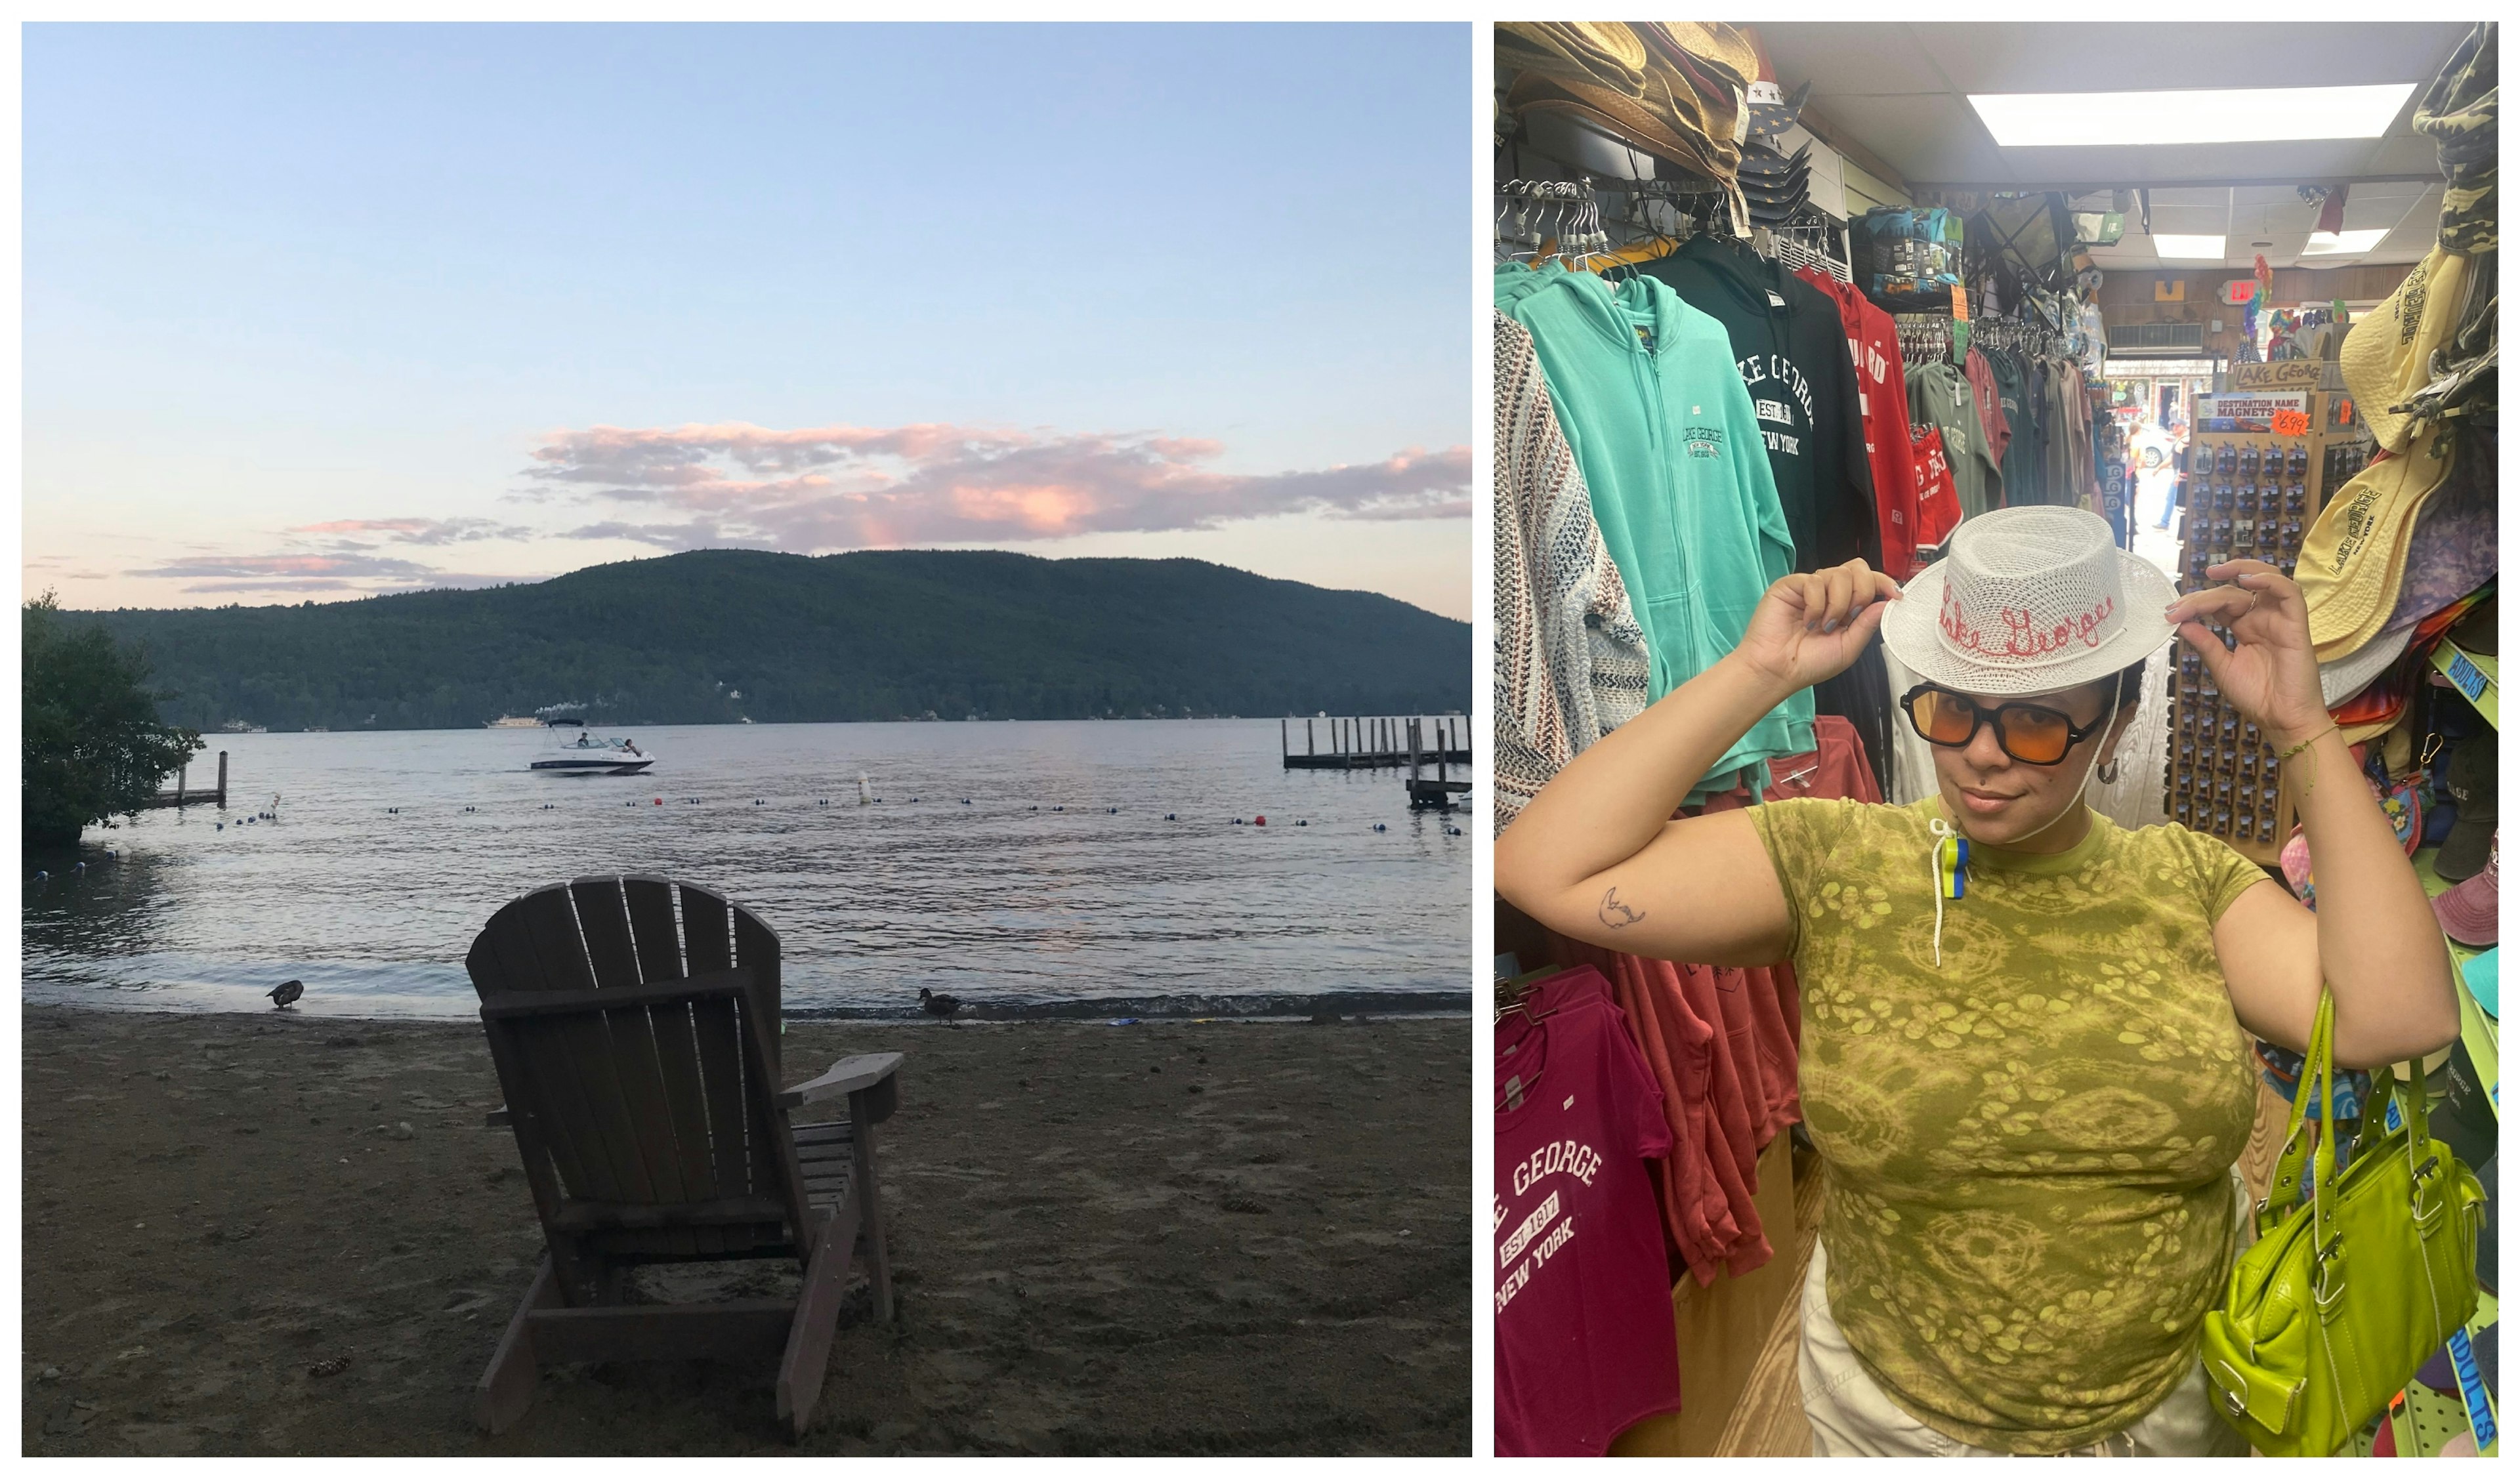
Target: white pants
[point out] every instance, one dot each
(1851, 1416)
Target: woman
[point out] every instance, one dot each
(2023, 1060)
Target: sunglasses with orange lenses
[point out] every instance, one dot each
(2030, 733)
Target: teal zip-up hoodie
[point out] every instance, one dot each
(1663, 430)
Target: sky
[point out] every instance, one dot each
(318, 312)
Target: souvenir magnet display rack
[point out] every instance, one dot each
(2253, 488)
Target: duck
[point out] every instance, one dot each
(937, 1006)
(286, 992)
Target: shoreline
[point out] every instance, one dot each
(1185, 1238)
(1340, 1006)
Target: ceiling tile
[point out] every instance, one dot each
(1842, 57)
(2153, 56)
(2408, 154)
(1875, 78)
(2190, 220)
(1924, 137)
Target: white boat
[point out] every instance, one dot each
(593, 755)
(510, 721)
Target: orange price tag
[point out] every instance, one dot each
(1959, 303)
(2290, 423)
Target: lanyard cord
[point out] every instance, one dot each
(1945, 832)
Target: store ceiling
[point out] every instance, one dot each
(1901, 90)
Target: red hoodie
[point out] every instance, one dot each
(1881, 382)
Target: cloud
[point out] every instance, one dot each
(855, 487)
(299, 572)
(417, 531)
(235, 587)
(284, 567)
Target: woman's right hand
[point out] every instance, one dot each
(1808, 629)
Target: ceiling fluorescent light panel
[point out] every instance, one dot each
(2207, 248)
(2343, 244)
(2221, 116)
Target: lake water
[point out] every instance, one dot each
(1028, 869)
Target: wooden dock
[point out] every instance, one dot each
(1367, 743)
(182, 795)
(1436, 793)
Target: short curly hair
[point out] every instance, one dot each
(2130, 685)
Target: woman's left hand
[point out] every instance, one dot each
(2271, 677)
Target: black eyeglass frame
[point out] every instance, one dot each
(2075, 733)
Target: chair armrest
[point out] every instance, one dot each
(863, 1070)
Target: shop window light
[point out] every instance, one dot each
(2342, 244)
(2204, 247)
(2221, 116)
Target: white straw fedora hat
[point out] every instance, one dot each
(2029, 600)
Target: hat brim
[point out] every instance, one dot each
(2468, 913)
(1911, 632)
(2468, 847)
(1775, 186)
(2348, 676)
(1761, 158)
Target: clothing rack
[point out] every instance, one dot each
(1808, 242)
(1565, 214)
(1537, 215)
(1924, 337)
(2015, 335)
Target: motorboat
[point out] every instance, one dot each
(593, 756)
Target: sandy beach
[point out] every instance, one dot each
(1170, 1238)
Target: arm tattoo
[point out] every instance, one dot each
(1616, 914)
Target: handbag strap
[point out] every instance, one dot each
(2413, 1100)
(2317, 1079)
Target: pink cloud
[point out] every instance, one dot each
(854, 487)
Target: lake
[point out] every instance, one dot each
(1029, 869)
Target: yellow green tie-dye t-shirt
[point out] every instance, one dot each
(2028, 1145)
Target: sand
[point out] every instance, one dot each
(1169, 1239)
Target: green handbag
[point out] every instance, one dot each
(2343, 1298)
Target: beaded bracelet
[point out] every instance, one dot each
(2312, 783)
(2284, 755)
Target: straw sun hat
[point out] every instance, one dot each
(2029, 600)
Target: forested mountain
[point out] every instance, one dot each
(726, 635)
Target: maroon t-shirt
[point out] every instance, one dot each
(1584, 1342)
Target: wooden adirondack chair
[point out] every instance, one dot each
(641, 1066)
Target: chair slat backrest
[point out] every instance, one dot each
(657, 1104)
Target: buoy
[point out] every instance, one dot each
(660, 800)
(1259, 821)
(1378, 826)
(1303, 824)
(41, 876)
(1115, 811)
(1169, 817)
(966, 801)
(1059, 808)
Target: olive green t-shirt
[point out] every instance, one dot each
(2028, 1145)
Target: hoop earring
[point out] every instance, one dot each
(2109, 771)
